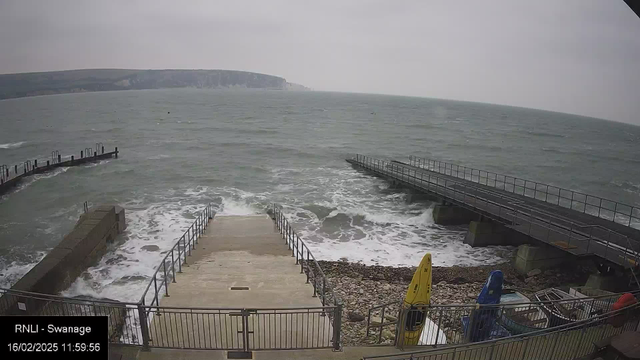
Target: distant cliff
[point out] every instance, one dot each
(59, 82)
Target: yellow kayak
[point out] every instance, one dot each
(418, 296)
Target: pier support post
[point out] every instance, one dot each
(486, 233)
(452, 215)
(542, 257)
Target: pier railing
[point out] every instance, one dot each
(9, 172)
(241, 330)
(574, 237)
(308, 263)
(615, 211)
(309, 266)
(567, 342)
(10, 176)
(124, 319)
(464, 323)
(176, 258)
(233, 329)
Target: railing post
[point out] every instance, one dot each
(579, 341)
(297, 247)
(142, 315)
(184, 248)
(308, 257)
(179, 258)
(155, 287)
(293, 245)
(599, 207)
(439, 324)
(173, 266)
(166, 286)
(302, 259)
(324, 291)
(337, 327)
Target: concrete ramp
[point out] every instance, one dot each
(241, 276)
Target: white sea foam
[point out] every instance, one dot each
(341, 215)
(124, 272)
(12, 145)
(236, 207)
(13, 271)
(357, 217)
(28, 181)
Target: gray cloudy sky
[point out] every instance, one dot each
(577, 56)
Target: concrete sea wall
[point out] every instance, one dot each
(81, 248)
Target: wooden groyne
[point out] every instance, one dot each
(10, 176)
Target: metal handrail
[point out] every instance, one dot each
(445, 187)
(297, 247)
(573, 225)
(455, 170)
(39, 296)
(28, 167)
(183, 247)
(603, 319)
(591, 302)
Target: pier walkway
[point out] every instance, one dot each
(571, 221)
(11, 175)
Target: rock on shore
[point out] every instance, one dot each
(361, 287)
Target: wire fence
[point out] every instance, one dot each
(566, 342)
(615, 211)
(546, 226)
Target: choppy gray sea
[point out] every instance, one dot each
(242, 150)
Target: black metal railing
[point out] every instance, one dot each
(309, 266)
(149, 325)
(464, 323)
(124, 319)
(308, 263)
(618, 212)
(28, 167)
(577, 238)
(176, 258)
(242, 329)
(566, 342)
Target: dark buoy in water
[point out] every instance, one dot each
(168, 112)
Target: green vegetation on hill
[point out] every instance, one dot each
(58, 82)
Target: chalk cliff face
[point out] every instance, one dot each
(58, 82)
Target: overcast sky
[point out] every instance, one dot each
(576, 56)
